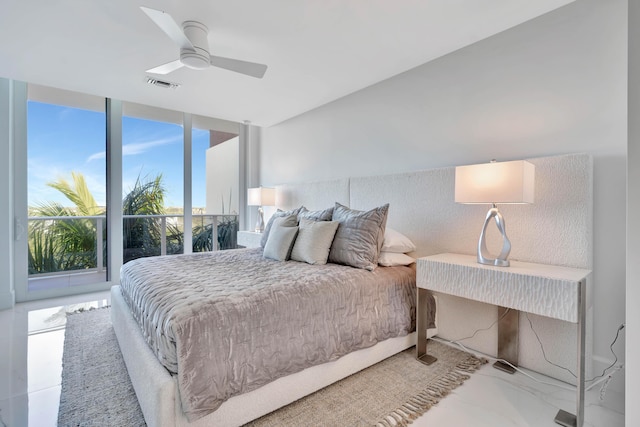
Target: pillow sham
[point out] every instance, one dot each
(292, 222)
(314, 240)
(392, 259)
(280, 241)
(322, 215)
(359, 236)
(394, 241)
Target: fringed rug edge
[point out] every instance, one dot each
(430, 396)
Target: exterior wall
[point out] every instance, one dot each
(553, 85)
(222, 177)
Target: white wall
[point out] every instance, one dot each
(554, 85)
(222, 177)
(632, 412)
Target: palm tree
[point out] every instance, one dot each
(62, 245)
(142, 235)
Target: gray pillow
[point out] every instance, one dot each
(279, 213)
(323, 215)
(314, 241)
(280, 241)
(359, 237)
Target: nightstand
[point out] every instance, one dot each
(546, 290)
(249, 239)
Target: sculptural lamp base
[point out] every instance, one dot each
(260, 221)
(484, 257)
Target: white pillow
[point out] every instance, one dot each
(279, 242)
(392, 259)
(314, 241)
(394, 241)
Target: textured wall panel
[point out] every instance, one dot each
(314, 195)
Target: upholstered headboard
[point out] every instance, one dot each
(555, 229)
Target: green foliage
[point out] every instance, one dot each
(70, 244)
(227, 235)
(61, 244)
(142, 236)
(78, 194)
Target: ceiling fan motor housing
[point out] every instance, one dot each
(197, 58)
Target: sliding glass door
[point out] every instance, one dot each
(64, 230)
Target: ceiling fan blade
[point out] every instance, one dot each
(244, 67)
(166, 68)
(169, 26)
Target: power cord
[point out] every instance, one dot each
(543, 352)
(604, 371)
(487, 328)
(604, 377)
(495, 359)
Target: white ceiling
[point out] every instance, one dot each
(317, 51)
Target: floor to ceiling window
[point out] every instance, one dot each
(62, 180)
(152, 182)
(215, 189)
(66, 191)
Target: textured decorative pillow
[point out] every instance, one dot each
(359, 237)
(323, 215)
(280, 241)
(314, 241)
(292, 222)
(392, 259)
(394, 241)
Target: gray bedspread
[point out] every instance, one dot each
(229, 322)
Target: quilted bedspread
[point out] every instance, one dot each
(231, 321)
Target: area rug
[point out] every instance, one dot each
(96, 390)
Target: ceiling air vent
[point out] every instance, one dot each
(162, 83)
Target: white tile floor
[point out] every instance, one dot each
(31, 343)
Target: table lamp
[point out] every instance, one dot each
(261, 196)
(494, 183)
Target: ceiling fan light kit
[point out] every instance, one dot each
(194, 48)
(198, 57)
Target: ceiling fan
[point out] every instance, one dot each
(194, 48)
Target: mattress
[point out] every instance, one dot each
(228, 322)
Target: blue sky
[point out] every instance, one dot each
(63, 139)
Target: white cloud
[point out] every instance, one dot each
(97, 156)
(138, 147)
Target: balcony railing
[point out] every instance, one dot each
(64, 245)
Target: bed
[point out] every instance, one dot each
(423, 208)
(368, 316)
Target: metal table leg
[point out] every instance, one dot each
(565, 418)
(421, 328)
(508, 331)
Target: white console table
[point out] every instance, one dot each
(546, 290)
